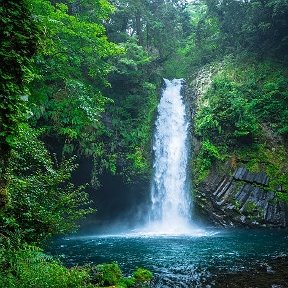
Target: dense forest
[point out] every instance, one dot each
(80, 79)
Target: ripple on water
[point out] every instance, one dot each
(176, 260)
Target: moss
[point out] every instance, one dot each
(203, 162)
(243, 116)
(236, 204)
(142, 275)
(106, 274)
(3, 197)
(110, 274)
(250, 208)
(271, 160)
(200, 170)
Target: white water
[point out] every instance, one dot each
(170, 212)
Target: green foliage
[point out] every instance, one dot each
(19, 37)
(129, 119)
(133, 62)
(226, 112)
(258, 26)
(252, 211)
(241, 97)
(65, 100)
(131, 128)
(272, 161)
(142, 275)
(67, 97)
(242, 115)
(219, 28)
(207, 156)
(210, 151)
(15, 71)
(282, 196)
(27, 266)
(271, 104)
(75, 60)
(107, 274)
(23, 265)
(42, 202)
(157, 25)
(36, 207)
(201, 45)
(110, 274)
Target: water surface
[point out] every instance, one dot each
(177, 261)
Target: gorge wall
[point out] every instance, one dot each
(238, 181)
(242, 199)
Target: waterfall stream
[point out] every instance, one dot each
(170, 196)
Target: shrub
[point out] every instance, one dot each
(142, 277)
(25, 266)
(106, 274)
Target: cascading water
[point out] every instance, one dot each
(170, 197)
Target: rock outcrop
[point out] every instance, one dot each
(231, 195)
(241, 200)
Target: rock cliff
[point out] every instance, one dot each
(242, 199)
(232, 194)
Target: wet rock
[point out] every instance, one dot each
(243, 175)
(238, 174)
(242, 200)
(244, 194)
(243, 219)
(227, 200)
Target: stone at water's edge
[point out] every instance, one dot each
(241, 200)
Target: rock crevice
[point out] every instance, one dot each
(242, 200)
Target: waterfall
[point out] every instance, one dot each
(170, 211)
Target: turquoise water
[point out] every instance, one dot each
(180, 261)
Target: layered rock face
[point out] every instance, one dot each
(241, 200)
(231, 195)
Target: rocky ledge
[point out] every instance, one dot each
(242, 199)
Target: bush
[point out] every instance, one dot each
(209, 153)
(142, 277)
(226, 112)
(106, 274)
(24, 266)
(110, 274)
(42, 201)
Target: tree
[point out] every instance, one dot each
(257, 26)
(42, 201)
(19, 37)
(158, 25)
(35, 190)
(67, 97)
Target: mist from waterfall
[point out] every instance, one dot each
(169, 212)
